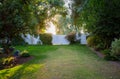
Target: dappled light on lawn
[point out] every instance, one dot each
(20, 71)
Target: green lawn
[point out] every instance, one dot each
(62, 62)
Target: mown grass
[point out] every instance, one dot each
(62, 62)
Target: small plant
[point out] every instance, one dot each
(8, 62)
(25, 53)
(106, 51)
(115, 47)
(114, 54)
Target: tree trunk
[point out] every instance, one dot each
(6, 46)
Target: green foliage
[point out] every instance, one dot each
(15, 19)
(7, 62)
(111, 58)
(18, 41)
(71, 37)
(46, 38)
(76, 6)
(25, 53)
(108, 55)
(106, 51)
(20, 17)
(114, 53)
(64, 25)
(102, 18)
(96, 42)
(45, 10)
(115, 47)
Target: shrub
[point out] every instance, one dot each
(112, 58)
(71, 37)
(114, 53)
(46, 38)
(108, 55)
(7, 62)
(106, 51)
(25, 53)
(95, 42)
(115, 47)
(18, 41)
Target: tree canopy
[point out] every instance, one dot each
(26, 16)
(101, 18)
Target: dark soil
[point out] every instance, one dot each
(21, 60)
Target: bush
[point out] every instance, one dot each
(108, 55)
(115, 47)
(25, 53)
(106, 51)
(95, 42)
(8, 61)
(18, 41)
(111, 58)
(46, 38)
(71, 37)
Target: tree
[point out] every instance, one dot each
(15, 17)
(44, 10)
(76, 7)
(23, 16)
(102, 18)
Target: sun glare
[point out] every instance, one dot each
(51, 28)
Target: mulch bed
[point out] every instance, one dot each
(21, 60)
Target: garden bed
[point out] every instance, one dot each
(11, 61)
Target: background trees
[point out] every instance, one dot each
(101, 18)
(45, 10)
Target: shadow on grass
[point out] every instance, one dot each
(26, 70)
